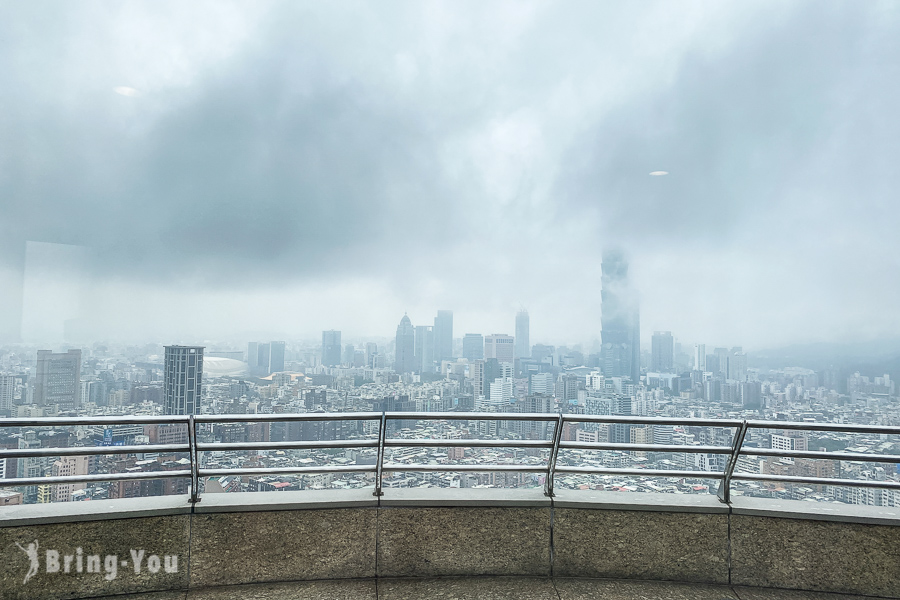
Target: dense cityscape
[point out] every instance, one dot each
(432, 368)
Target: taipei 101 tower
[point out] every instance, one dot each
(619, 319)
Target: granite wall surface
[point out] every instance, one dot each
(227, 548)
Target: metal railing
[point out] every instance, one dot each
(193, 448)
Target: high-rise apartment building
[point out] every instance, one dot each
(58, 379)
(522, 345)
(499, 346)
(7, 392)
(476, 375)
(331, 348)
(68, 466)
(473, 346)
(620, 433)
(662, 346)
(619, 320)
(443, 335)
(700, 357)
(183, 384)
(405, 347)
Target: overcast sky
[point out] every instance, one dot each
(217, 170)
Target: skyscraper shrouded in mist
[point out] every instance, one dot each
(523, 344)
(331, 348)
(276, 357)
(405, 350)
(619, 320)
(183, 384)
(425, 348)
(57, 379)
(662, 350)
(699, 357)
(443, 335)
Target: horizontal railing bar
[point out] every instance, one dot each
(398, 468)
(105, 420)
(642, 472)
(632, 420)
(274, 418)
(460, 443)
(645, 447)
(850, 456)
(294, 445)
(839, 427)
(92, 450)
(895, 485)
(288, 470)
(28, 481)
(470, 416)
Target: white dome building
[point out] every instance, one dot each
(214, 366)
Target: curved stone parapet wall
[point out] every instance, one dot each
(250, 538)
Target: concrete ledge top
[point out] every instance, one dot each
(816, 511)
(641, 501)
(93, 510)
(271, 501)
(433, 497)
(97, 510)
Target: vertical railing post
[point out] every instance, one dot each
(195, 460)
(724, 493)
(379, 462)
(554, 452)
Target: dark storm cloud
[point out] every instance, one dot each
(278, 165)
(740, 131)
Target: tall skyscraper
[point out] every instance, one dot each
(619, 320)
(523, 345)
(499, 346)
(276, 357)
(721, 361)
(405, 347)
(473, 346)
(425, 349)
(57, 379)
(662, 347)
(183, 385)
(700, 357)
(443, 335)
(331, 348)
(263, 354)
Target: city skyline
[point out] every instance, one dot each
(388, 168)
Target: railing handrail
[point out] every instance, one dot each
(558, 420)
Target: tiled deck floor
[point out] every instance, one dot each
(484, 588)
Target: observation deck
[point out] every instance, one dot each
(383, 542)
